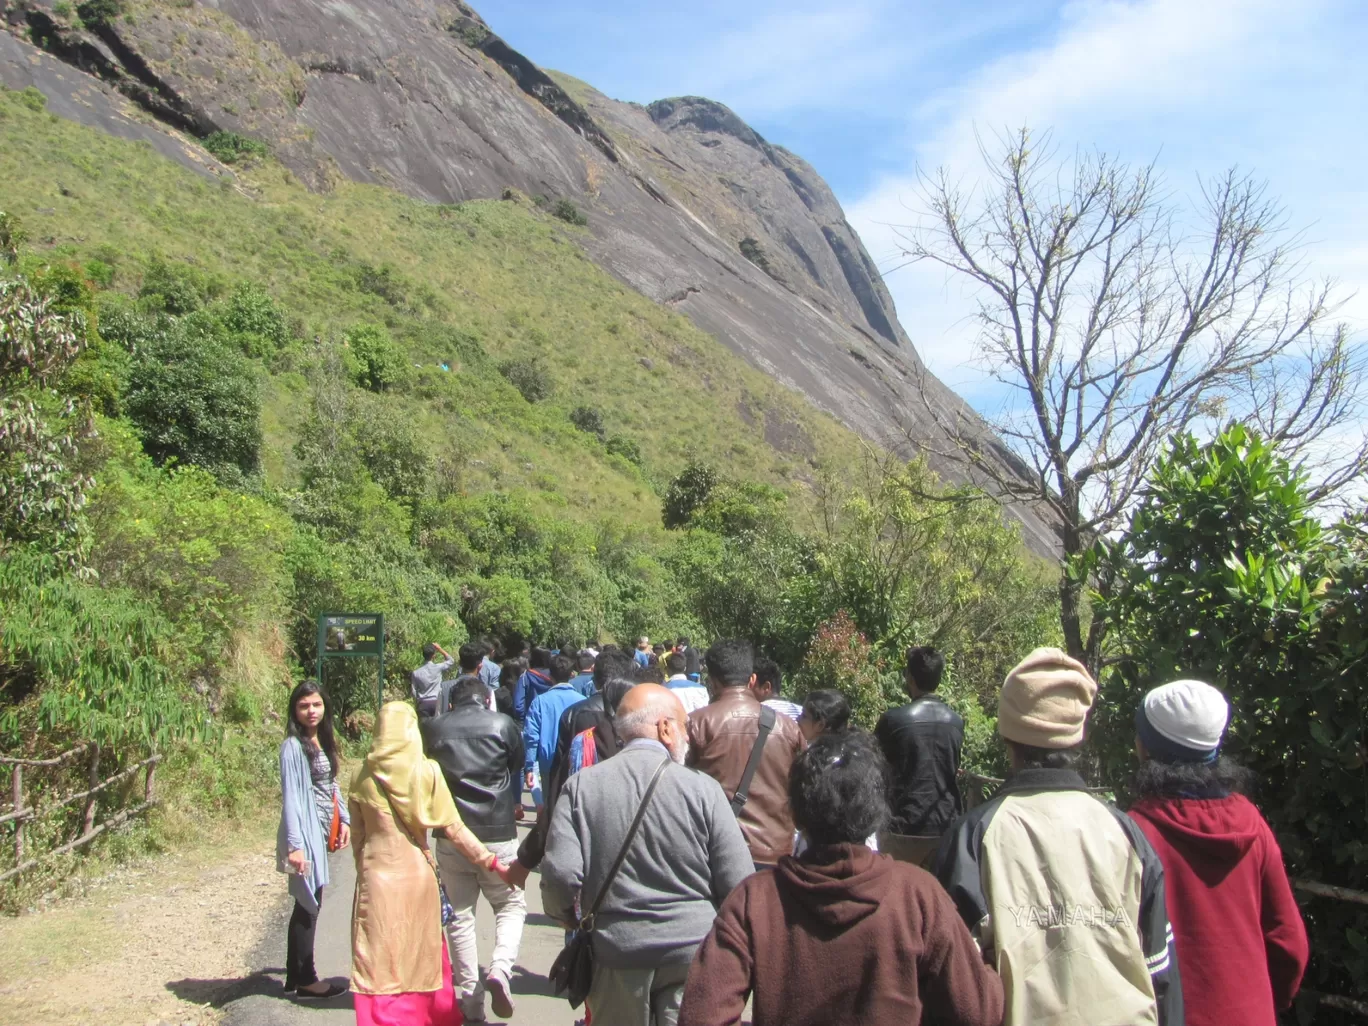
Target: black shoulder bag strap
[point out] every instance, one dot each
(586, 923)
(742, 794)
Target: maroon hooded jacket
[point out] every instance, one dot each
(1238, 932)
(841, 935)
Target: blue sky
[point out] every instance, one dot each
(871, 90)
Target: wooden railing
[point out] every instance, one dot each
(88, 830)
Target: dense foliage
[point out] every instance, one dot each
(185, 526)
(1228, 574)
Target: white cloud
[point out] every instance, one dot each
(1274, 87)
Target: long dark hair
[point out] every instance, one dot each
(327, 740)
(1155, 779)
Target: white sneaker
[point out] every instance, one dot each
(500, 993)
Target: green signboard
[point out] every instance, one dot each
(350, 636)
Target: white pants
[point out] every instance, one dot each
(464, 884)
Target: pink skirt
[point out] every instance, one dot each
(432, 1008)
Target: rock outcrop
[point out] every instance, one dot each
(685, 202)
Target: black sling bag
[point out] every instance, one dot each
(742, 794)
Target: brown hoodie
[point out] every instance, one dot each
(841, 935)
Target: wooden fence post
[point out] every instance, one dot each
(88, 817)
(150, 786)
(17, 789)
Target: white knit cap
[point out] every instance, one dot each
(1188, 713)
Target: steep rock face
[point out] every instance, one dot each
(686, 203)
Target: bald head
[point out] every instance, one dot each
(643, 707)
(652, 712)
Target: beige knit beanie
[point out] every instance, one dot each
(1045, 700)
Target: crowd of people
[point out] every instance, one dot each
(709, 844)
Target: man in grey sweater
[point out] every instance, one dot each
(686, 858)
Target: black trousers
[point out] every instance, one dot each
(299, 945)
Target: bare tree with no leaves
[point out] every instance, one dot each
(1119, 319)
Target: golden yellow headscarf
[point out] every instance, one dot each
(418, 792)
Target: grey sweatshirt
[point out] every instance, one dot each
(686, 858)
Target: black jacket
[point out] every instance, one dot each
(481, 755)
(922, 742)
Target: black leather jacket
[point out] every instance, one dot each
(481, 755)
(922, 742)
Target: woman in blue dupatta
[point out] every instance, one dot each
(310, 798)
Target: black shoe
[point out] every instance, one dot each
(332, 991)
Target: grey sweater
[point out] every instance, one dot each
(686, 858)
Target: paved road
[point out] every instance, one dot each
(258, 1001)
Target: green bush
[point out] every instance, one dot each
(529, 377)
(499, 606)
(194, 398)
(687, 492)
(84, 661)
(383, 281)
(621, 445)
(379, 361)
(256, 322)
(569, 213)
(42, 488)
(589, 420)
(755, 253)
(99, 12)
(176, 288)
(211, 560)
(391, 451)
(13, 234)
(230, 148)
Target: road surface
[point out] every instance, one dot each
(259, 1002)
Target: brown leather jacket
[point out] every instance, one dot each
(721, 736)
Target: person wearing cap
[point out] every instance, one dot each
(1062, 890)
(1241, 943)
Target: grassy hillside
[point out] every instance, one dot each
(500, 280)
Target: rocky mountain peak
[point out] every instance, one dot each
(704, 115)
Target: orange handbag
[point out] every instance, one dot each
(335, 828)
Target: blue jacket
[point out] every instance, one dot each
(531, 684)
(583, 683)
(489, 673)
(541, 730)
(642, 658)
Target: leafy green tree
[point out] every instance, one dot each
(500, 605)
(42, 494)
(194, 398)
(176, 288)
(1227, 574)
(255, 320)
(208, 558)
(842, 658)
(916, 563)
(13, 237)
(380, 363)
(688, 492)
